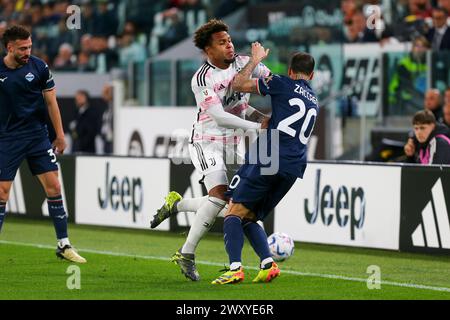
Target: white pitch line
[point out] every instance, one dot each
(210, 263)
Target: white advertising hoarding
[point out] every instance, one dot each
(120, 192)
(152, 131)
(352, 205)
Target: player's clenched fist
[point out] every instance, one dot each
(59, 145)
(258, 52)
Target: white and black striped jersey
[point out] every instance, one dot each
(211, 86)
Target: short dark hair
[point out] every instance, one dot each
(84, 93)
(441, 9)
(302, 62)
(15, 33)
(424, 117)
(202, 36)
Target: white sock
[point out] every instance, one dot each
(63, 242)
(191, 204)
(204, 219)
(266, 261)
(235, 265)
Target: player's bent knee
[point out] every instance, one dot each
(53, 190)
(239, 210)
(5, 188)
(218, 192)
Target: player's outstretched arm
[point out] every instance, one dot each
(55, 116)
(242, 81)
(255, 115)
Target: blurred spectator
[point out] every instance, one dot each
(348, 8)
(86, 125)
(444, 4)
(432, 102)
(433, 141)
(83, 62)
(446, 109)
(64, 61)
(130, 50)
(421, 9)
(414, 22)
(356, 29)
(446, 115)
(225, 7)
(439, 35)
(105, 22)
(6, 10)
(408, 83)
(87, 18)
(387, 36)
(142, 14)
(176, 30)
(131, 28)
(193, 14)
(66, 36)
(106, 131)
(85, 43)
(101, 19)
(103, 57)
(85, 59)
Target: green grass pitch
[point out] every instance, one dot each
(134, 264)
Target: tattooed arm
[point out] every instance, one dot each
(242, 81)
(255, 115)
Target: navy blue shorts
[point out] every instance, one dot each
(259, 193)
(38, 152)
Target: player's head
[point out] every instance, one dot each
(214, 40)
(424, 123)
(17, 41)
(301, 66)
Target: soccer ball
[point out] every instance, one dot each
(281, 246)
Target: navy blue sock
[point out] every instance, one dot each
(2, 213)
(258, 239)
(58, 215)
(233, 236)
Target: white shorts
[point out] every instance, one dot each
(209, 157)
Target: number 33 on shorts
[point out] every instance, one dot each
(52, 154)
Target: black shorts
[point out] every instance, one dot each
(38, 152)
(259, 193)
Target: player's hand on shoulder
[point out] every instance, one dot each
(59, 145)
(258, 52)
(265, 122)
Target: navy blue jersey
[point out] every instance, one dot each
(294, 112)
(22, 107)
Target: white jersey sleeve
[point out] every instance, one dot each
(209, 102)
(228, 120)
(261, 71)
(205, 97)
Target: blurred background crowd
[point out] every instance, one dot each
(369, 92)
(117, 31)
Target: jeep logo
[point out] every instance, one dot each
(125, 192)
(342, 205)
